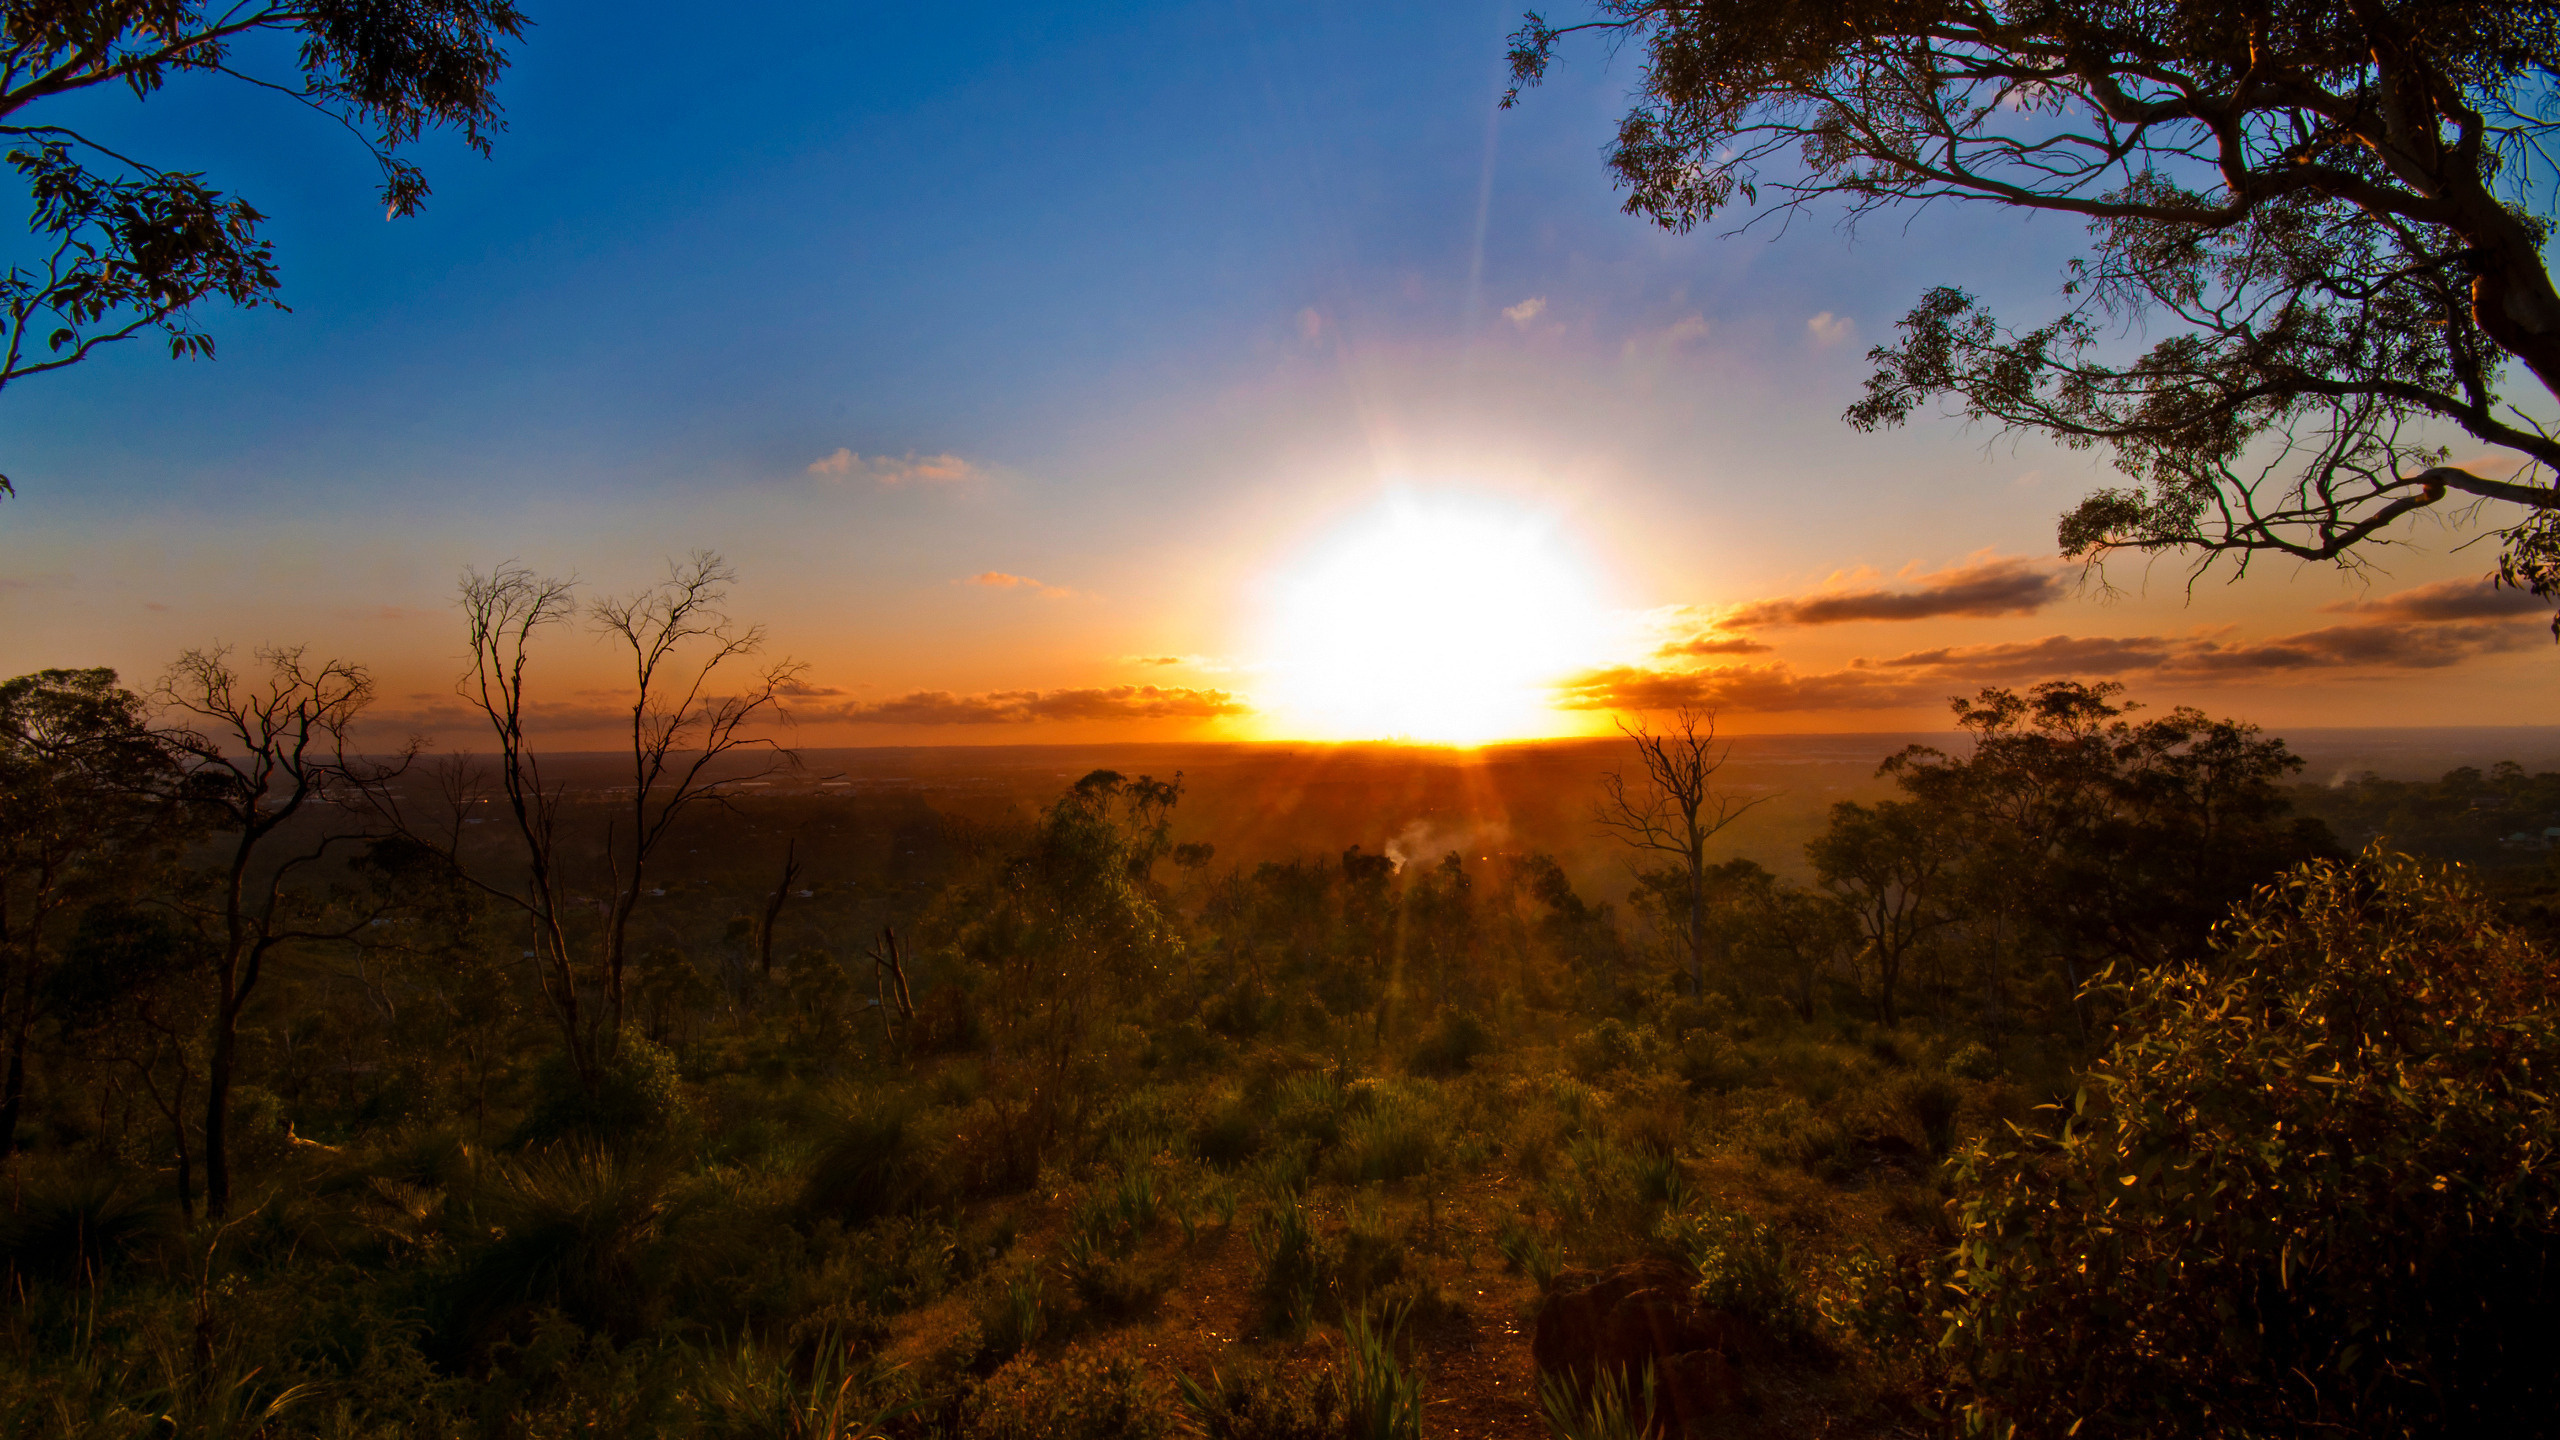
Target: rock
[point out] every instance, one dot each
(1644, 1316)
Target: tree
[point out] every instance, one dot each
(255, 754)
(2089, 835)
(1892, 864)
(684, 738)
(2327, 213)
(120, 246)
(78, 770)
(2305, 1192)
(1673, 810)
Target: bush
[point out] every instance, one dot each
(872, 1163)
(1451, 1045)
(1082, 1395)
(80, 1230)
(2307, 1191)
(1259, 1403)
(631, 1097)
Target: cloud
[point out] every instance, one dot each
(2445, 628)
(1310, 324)
(1526, 311)
(1659, 345)
(1828, 329)
(1158, 660)
(2449, 600)
(999, 580)
(1020, 707)
(1994, 585)
(803, 690)
(895, 469)
(1713, 645)
(1771, 688)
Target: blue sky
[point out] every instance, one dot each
(1180, 289)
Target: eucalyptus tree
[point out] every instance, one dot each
(684, 727)
(81, 776)
(1674, 808)
(255, 752)
(118, 246)
(2328, 218)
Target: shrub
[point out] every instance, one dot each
(871, 1163)
(1451, 1045)
(1930, 1103)
(81, 1229)
(631, 1097)
(1082, 1395)
(1259, 1403)
(1228, 1135)
(2307, 1191)
(1611, 1407)
(1297, 1265)
(571, 1229)
(1382, 1400)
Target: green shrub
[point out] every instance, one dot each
(1611, 1407)
(1613, 1046)
(570, 1228)
(1382, 1398)
(81, 1229)
(1390, 1133)
(872, 1160)
(1973, 1060)
(1228, 1135)
(2307, 1191)
(1255, 1402)
(1451, 1045)
(632, 1097)
(1297, 1265)
(1930, 1103)
(1742, 1268)
(1085, 1394)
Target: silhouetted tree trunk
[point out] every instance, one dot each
(1674, 809)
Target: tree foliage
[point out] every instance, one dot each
(2309, 1190)
(120, 246)
(2328, 215)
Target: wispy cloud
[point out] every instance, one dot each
(999, 580)
(1828, 329)
(895, 469)
(1526, 311)
(1022, 707)
(1713, 645)
(2430, 627)
(1985, 587)
(2448, 600)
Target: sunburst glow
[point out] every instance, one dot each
(1431, 618)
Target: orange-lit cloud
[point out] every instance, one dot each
(2430, 627)
(999, 580)
(1526, 311)
(1828, 329)
(1713, 645)
(2448, 600)
(1017, 707)
(2012, 585)
(895, 469)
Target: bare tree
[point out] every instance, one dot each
(1673, 809)
(682, 647)
(255, 754)
(771, 916)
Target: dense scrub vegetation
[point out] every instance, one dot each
(1061, 1128)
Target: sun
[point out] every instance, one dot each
(1437, 618)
